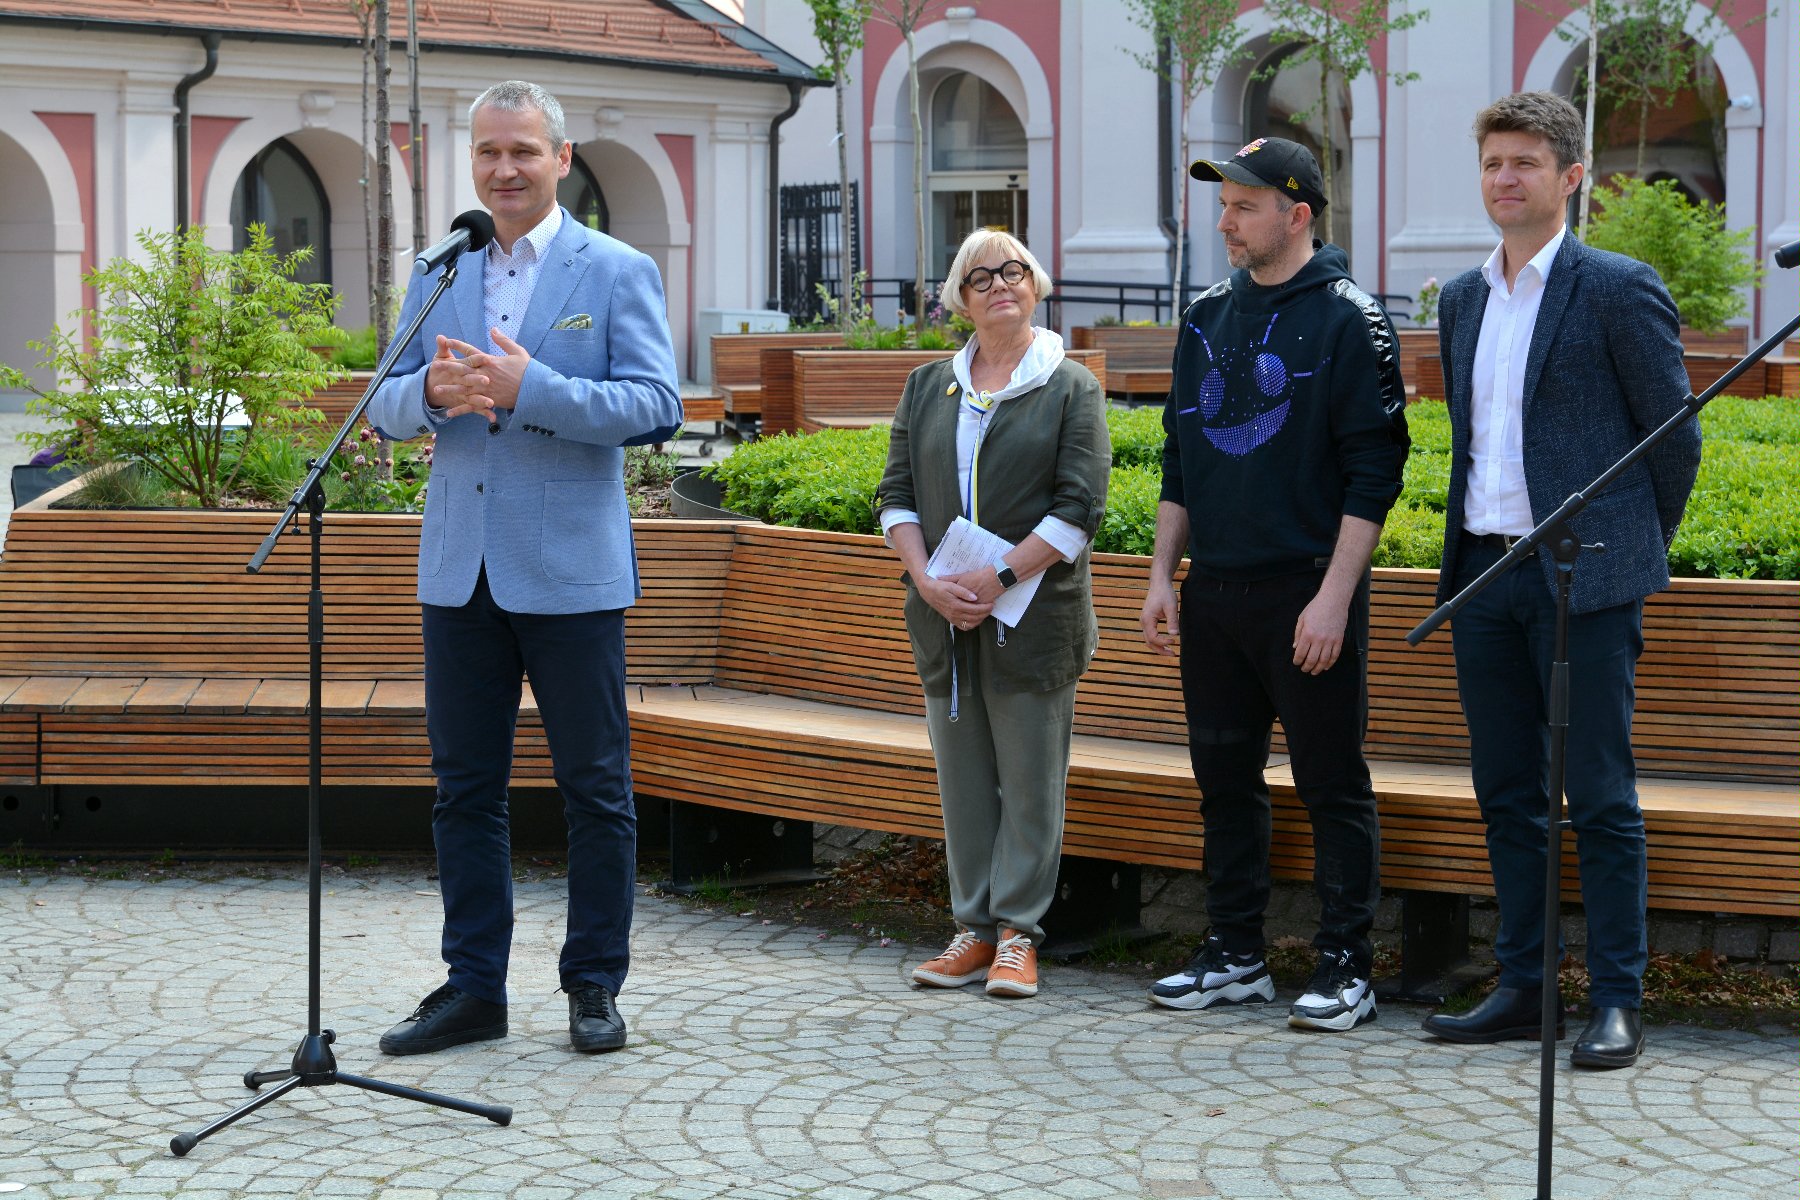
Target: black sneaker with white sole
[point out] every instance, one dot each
(1337, 997)
(1215, 976)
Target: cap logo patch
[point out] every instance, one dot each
(1292, 185)
(1252, 148)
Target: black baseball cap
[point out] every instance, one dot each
(1268, 162)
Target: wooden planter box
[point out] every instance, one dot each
(853, 389)
(1139, 358)
(335, 400)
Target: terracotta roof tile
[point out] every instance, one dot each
(640, 30)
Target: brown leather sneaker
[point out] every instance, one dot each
(1014, 972)
(964, 960)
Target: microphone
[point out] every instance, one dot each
(471, 231)
(1788, 256)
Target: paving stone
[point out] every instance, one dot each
(799, 1066)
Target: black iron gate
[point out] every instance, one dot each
(810, 254)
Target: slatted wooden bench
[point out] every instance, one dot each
(774, 678)
(1139, 358)
(737, 368)
(853, 389)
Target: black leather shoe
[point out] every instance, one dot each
(594, 1020)
(448, 1017)
(1506, 1014)
(1614, 1037)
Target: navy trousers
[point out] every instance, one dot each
(1504, 640)
(476, 657)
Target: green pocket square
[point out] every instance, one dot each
(578, 321)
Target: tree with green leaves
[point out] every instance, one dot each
(1337, 34)
(907, 16)
(1648, 54)
(188, 343)
(838, 24)
(1203, 40)
(1704, 265)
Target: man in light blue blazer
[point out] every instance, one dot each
(1559, 359)
(548, 355)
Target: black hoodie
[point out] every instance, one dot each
(1287, 413)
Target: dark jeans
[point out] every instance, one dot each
(475, 659)
(1238, 676)
(1504, 640)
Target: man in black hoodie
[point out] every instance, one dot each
(1286, 439)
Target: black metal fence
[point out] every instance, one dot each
(810, 253)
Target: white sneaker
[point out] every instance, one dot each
(1337, 997)
(1214, 976)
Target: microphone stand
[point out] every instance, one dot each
(313, 1064)
(1556, 532)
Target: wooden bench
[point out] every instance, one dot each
(773, 679)
(853, 389)
(1139, 358)
(737, 368)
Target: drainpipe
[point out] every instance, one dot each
(1166, 187)
(183, 129)
(774, 301)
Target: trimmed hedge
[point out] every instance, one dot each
(1743, 520)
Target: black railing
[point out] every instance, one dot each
(810, 254)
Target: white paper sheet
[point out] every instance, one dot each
(967, 546)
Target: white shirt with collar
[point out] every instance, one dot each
(1497, 501)
(509, 279)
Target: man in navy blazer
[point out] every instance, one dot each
(1558, 359)
(550, 355)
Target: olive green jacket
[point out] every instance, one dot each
(1046, 451)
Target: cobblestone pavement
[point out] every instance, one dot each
(771, 1061)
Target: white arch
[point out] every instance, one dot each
(1216, 123)
(42, 237)
(1002, 59)
(645, 204)
(1552, 69)
(339, 161)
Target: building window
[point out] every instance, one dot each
(280, 192)
(580, 193)
(978, 158)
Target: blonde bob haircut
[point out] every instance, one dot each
(976, 247)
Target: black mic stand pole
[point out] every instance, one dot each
(1556, 532)
(313, 1064)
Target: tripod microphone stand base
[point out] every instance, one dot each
(315, 1066)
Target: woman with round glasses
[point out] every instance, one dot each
(1010, 436)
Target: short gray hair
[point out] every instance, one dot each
(515, 95)
(976, 246)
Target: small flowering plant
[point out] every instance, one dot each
(379, 476)
(1428, 302)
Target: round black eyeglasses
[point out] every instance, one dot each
(982, 278)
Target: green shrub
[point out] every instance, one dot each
(1411, 537)
(1743, 521)
(819, 481)
(357, 352)
(1703, 264)
(186, 340)
(1129, 526)
(272, 464)
(1137, 435)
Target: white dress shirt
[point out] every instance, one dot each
(509, 279)
(1497, 501)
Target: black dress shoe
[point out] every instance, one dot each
(594, 1020)
(448, 1017)
(1506, 1014)
(1614, 1037)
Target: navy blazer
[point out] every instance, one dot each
(540, 500)
(1603, 370)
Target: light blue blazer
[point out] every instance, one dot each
(540, 499)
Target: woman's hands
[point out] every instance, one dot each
(955, 600)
